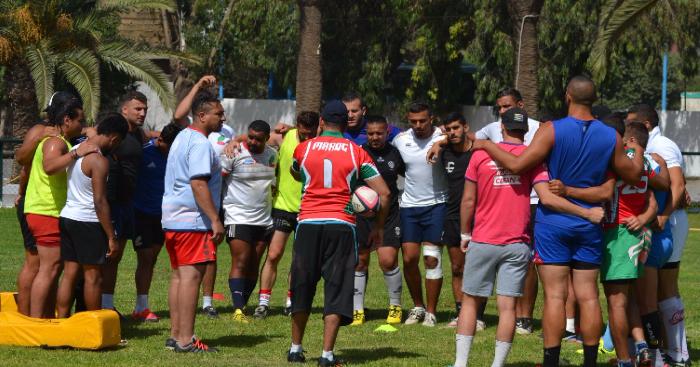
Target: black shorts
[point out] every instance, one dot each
(248, 233)
(29, 242)
(451, 233)
(284, 221)
(122, 215)
(328, 251)
(83, 242)
(149, 231)
(392, 231)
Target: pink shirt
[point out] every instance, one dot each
(502, 198)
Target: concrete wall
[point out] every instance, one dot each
(683, 127)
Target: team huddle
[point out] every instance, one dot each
(565, 201)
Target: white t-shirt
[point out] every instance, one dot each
(493, 132)
(425, 183)
(219, 139)
(248, 197)
(666, 148)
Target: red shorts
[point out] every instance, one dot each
(189, 248)
(45, 230)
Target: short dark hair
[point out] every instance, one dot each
(638, 131)
(60, 105)
(130, 95)
(419, 106)
(582, 90)
(113, 123)
(308, 119)
(376, 119)
(351, 96)
(455, 116)
(616, 120)
(645, 112)
(202, 100)
(509, 91)
(169, 133)
(260, 126)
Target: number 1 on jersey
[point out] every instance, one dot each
(327, 173)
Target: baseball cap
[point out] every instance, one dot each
(335, 112)
(515, 119)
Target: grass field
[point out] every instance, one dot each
(264, 343)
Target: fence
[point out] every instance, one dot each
(8, 189)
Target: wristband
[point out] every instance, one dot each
(466, 236)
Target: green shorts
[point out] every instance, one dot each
(625, 253)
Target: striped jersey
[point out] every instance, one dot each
(330, 168)
(630, 200)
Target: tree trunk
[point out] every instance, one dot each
(309, 84)
(22, 111)
(526, 50)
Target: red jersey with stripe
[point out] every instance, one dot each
(630, 200)
(330, 167)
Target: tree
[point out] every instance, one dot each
(43, 42)
(309, 84)
(524, 15)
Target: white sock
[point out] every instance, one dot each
(501, 354)
(571, 325)
(264, 299)
(107, 300)
(394, 285)
(141, 302)
(358, 299)
(295, 348)
(464, 345)
(327, 355)
(288, 302)
(673, 316)
(206, 301)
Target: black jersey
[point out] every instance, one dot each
(124, 163)
(455, 164)
(390, 165)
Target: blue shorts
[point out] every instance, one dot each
(661, 249)
(422, 224)
(562, 246)
(123, 220)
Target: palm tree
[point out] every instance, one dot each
(43, 39)
(523, 16)
(309, 82)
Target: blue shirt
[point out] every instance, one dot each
(150, 184)
(359, 136)
(191, 156)
(579, 158)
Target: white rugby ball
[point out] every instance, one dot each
(365, 201)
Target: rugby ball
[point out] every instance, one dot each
(365, 201)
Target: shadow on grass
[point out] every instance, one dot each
(245, 340)
(360, 355)
(132, 330)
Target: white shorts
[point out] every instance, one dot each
(679, 229)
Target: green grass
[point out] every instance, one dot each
(264, 343)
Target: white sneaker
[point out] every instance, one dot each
(480, 325)
(453, 322)
(429, 320)
(415, 316)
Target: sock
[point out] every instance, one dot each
(107, 300)
(237, 287)
(481, 311)
(394, 285)
(640, 346)
(501, 353)
(607, 339)
(295, 348)
(248, 290)
(264, 297)
(624, 363)
(327, 355)
(651, 324)
(673, 316)
(458, 308)
(590, 355)
(358, 298)
(551, 356)
(206, 301)
(141, 302)
(288, 302)
(464, 345)
(571, 325)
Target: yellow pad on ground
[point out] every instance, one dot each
(8, 301)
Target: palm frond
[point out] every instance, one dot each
(617, 19)
(168, 5)
(153, 53)
(138, 66)
(81, 69)
(42, 67)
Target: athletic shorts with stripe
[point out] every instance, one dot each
(624, 254)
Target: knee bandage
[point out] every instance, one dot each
(435, 252)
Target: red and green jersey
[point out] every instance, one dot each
(330, 167)
(630, 200)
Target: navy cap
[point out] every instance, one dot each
(335, 112)
(515, 119)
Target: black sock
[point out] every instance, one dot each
(458, 307)
(651, 324)
(237, 287)
(590, 355)
(481, 310)
(249, 287)
(551, 356)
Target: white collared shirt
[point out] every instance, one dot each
(666, 148)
